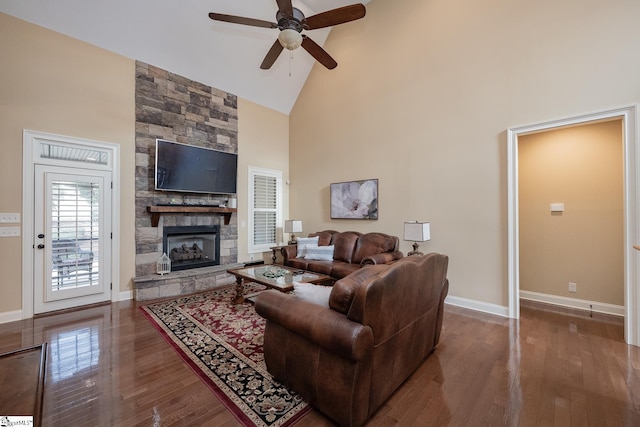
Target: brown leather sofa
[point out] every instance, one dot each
(352, 250)
(346, 360)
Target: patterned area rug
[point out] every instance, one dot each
(222, 343)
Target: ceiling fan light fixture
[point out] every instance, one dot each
(290, 39)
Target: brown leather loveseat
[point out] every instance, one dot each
(351, 251)
(346, 360)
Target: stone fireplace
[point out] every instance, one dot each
(175, 108)
(191, 246)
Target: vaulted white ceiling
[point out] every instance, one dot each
(179, 36)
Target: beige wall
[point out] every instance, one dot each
(52, 83)
(263, 142)
(582, 168)
(422, 98)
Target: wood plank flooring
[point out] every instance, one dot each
(107, 366)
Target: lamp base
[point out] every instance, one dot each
(293, 240)
(415, 250)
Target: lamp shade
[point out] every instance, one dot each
(293, 226)
(415, 231)
(290, 39)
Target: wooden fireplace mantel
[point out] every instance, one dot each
(157, 211)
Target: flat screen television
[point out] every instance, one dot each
(187, 168)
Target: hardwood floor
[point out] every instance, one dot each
(107, 366)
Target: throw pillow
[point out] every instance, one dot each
(316, 294)
(303, 243)
(320, 253)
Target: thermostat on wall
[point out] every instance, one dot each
(557, 207)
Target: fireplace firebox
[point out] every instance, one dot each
(192, 246)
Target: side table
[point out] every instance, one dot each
(274, 251)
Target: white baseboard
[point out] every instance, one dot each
(484, 307)
(580, 304)
(10, 316)
(125, 295)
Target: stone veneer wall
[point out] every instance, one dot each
(177, 109)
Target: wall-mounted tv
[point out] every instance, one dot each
(181, 167)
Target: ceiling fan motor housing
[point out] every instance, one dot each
(290, 22)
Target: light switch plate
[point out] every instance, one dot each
(9, 231)
(9, 218)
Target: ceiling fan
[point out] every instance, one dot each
(291, 22)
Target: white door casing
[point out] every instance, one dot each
(631, 152)
(68, 153)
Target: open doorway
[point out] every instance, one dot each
(627, 116)
(571, 217)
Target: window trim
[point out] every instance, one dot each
(271, 173)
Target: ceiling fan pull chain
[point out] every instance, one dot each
(290, 61)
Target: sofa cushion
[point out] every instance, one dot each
(322, 267)
(304, 243)
(372, 244)
(343, 269)
(316, 294)
(322, 253)
(345, 244)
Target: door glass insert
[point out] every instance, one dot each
(75, 234)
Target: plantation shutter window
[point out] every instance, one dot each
(265, 206)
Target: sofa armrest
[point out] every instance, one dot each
(289, 252)
(383, 258)
(319, 325)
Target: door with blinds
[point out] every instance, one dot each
(72, 227)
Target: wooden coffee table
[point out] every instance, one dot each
(273, 276)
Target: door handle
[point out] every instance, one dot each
(40, 246)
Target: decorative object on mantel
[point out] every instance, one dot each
(416, 232)
(293, 226)
(163, 265)
(232, 203)
(354, 199)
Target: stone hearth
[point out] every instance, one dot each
(182, 282)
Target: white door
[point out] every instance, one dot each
(72, 237)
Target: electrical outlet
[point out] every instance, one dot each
(9, 231)
(9, 218)
(572, 287)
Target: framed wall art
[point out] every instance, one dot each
(354, 199)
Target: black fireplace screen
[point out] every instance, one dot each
(192, 246)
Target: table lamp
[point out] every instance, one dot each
(416, 232)
(292, 226)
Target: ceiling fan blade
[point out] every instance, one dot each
(272, 55)
(242, 20)
(318, 53)
(285, 7)
(335, 17)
